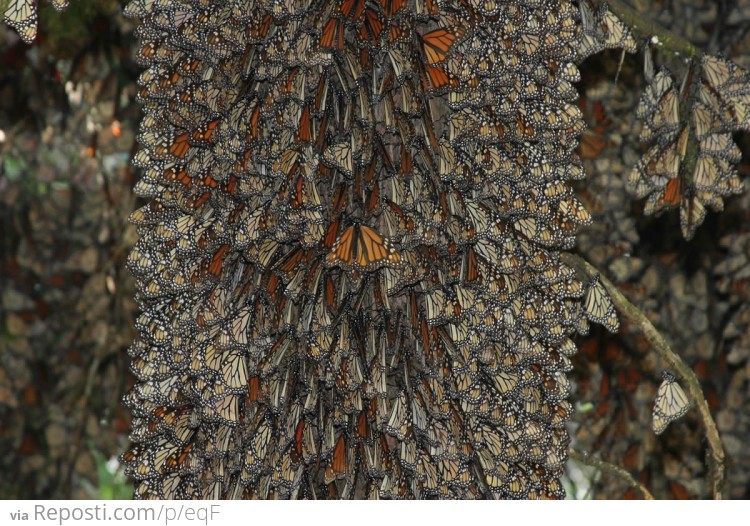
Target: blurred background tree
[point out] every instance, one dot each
(67, 121)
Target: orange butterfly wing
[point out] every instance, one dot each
(352, 8)
(371, 28)
(333, 34)
(342, 248)
(673, 192)
(437, 43)
(339, 456)
(391, 7)
(180, 146)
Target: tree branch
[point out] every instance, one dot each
(637, 319)
(612, 469)
(646, 28)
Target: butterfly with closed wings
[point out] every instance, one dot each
(671, 403)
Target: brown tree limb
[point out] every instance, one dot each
(611, 469)
(637, 319)
(648, 29)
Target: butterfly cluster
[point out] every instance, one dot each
(691, 161)
(348, 265)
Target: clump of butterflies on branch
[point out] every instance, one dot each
(687, 118)
(348, 266)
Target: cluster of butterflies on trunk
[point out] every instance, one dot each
(348, 266)
(692, 159)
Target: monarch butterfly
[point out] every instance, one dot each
(616, 34)
(571, 208)
(716, 71)
(667, 114)
(398, 423)
(22, 16)
(371, 28)
(438, 308)
(339, 461)
(661, 84)
(436, 44)
(180, 146)
(591, 145)
(599, 307)
(671, 403)
(204, 132)
(434, 78)
(360, 248)
(340, 156)
(391, 7)
(352, 8)
(670, 197)
(504, 382)
(692, 214)
(180, 459)
(333, 34)
(234, 370)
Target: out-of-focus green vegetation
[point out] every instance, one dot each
(75, 25)
(113, 485)
(65, 31)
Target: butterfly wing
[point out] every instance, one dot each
(437, 43)
(340, 156)
(341, 252)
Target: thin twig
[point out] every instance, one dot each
(637, 319)
(647, 29)
(612, 469)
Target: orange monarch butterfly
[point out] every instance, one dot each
(391, 7)
(296, 451)
(204, 132)
(435, 78)
(333, 34)
(671, 403)
(180, 146)
(371, 28)
(352, 8)
(437, 43)
(591, 144)
(362, 248)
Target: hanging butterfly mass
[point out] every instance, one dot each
(290, 148)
